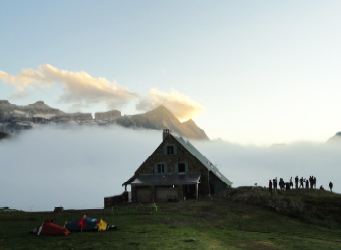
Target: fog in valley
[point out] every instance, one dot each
(76, 167)
(245, 166)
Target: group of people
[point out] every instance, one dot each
(311, 182)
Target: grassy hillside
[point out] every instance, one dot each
(215, 223)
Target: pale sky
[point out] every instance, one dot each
(249, 72)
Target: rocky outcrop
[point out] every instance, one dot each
(107, 115)
(13, 127)
(23, 113)
(15, 118)
(72, 117)
(135, 122)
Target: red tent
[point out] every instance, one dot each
(49, 228)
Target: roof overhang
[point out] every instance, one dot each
(166, 179)
(129, 181)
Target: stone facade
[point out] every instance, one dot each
(209, 182)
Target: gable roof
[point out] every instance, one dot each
(207, 163)
(194, 152)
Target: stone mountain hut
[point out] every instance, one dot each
(176, 171)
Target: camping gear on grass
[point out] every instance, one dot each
(86, 224)
(102, 225)
(112, 228)
(50, 228)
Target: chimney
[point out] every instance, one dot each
(165, 133)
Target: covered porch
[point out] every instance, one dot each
(165, 187)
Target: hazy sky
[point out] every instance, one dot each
(76, 167)
(259, 72)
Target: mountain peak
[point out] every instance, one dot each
(190, 121)
(39, 104)
(194, 130)
(160, 109)
(161, 106)
(159, 115)
(162, 118)
(336, 139)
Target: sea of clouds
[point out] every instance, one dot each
(76, 167)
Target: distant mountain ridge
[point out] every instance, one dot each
(15, 118)
(336, 139)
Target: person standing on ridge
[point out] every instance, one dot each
(312, 182)
(307, 186)
(275, 185)
(331, 186)
(296, 182)
(281, 183)
(270, 187)
(301, 182)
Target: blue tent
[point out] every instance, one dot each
(83, 224)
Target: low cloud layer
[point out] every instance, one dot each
(249, 165)
(76, 167)
(81, 89)
(182, 106)
(71, 167)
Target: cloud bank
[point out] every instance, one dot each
(81, 89)
(64, 166)
(246, 165)
(182, 106)
(73, 167)
(78, 87)
(27, 78)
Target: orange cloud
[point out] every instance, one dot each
(79, 87)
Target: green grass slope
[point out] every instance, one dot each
(215, 223)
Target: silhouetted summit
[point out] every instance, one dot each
(162, 118)
(336, 139)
